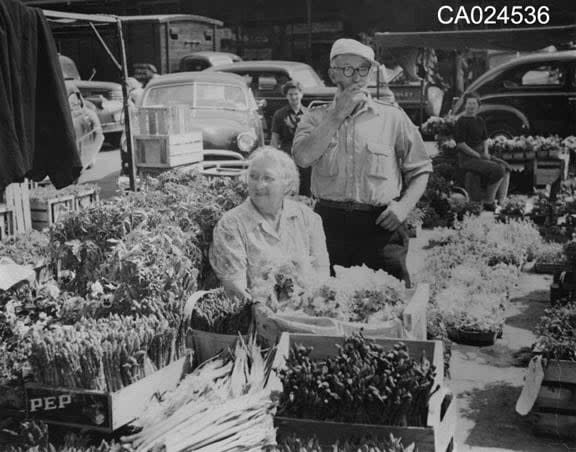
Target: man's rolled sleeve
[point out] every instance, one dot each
(228, 253)
(308, 122)
(412, 153)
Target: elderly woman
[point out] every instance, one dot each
(267, 225)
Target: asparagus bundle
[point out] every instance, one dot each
(105, 354)
(216, 312)
(223, 406)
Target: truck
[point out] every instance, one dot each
(158, 40)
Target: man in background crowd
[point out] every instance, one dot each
(284, 123)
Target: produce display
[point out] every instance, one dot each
(364, 383)
(355, 294)
(29, 248)
(557, 333)
(551, 253)
(224, 405)
(215, 312)
(296, 444)
(105, 354)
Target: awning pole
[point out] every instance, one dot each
(127, 124)
(105, 46)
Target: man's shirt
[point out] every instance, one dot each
(373, 154)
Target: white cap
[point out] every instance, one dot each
(350, 46)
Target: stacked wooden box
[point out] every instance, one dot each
(554, 412)
(166, 138)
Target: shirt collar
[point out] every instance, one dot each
(255, 218)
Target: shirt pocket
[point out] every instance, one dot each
(327, 166)
(378, 161)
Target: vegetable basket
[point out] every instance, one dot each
(436, 436)
(412, 325)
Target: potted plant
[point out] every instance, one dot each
(513, 207)
(471, 318)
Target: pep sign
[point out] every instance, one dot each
(50, 403)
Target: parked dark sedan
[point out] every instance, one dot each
(222, 105)
(87, 128)
(531, 95)
(198, 61)
(267, 77)
(105, 97)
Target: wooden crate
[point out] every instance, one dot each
(437, 436)
(270, 325)
(85, 198)
(554, 412)
(17, 198)
(170, 120)
(168, 151)
(46, 212)
(6, 222)
(101, 411)
(550, 269)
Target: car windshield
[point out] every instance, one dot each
(307, 77)
(199, 95)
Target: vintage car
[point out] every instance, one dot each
(267, 77)
(222, 105)
(198, 61)
(105, 97)
(87, 129)
(531, 95)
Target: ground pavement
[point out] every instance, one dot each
(487, 380)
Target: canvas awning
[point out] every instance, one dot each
(517, 39)
(121, 64)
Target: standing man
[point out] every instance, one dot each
(369, 167)
(284, 123)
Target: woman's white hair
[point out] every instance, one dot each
(289, 170)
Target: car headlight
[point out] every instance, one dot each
(246, 141)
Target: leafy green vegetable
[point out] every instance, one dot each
(364, 383)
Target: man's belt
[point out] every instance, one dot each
(349, 205)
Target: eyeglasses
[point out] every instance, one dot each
(349, 71)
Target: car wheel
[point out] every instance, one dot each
(504, 131)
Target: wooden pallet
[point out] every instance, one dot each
(437, 436)
(46, 212)
(85, 198)
(554, 412)
(7, 228)
(97, 410)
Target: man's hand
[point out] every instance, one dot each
(348, 99)
(394, 215)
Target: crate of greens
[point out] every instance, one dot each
(356, 298)
(100, 374)
(215, 322)
(342, 389)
